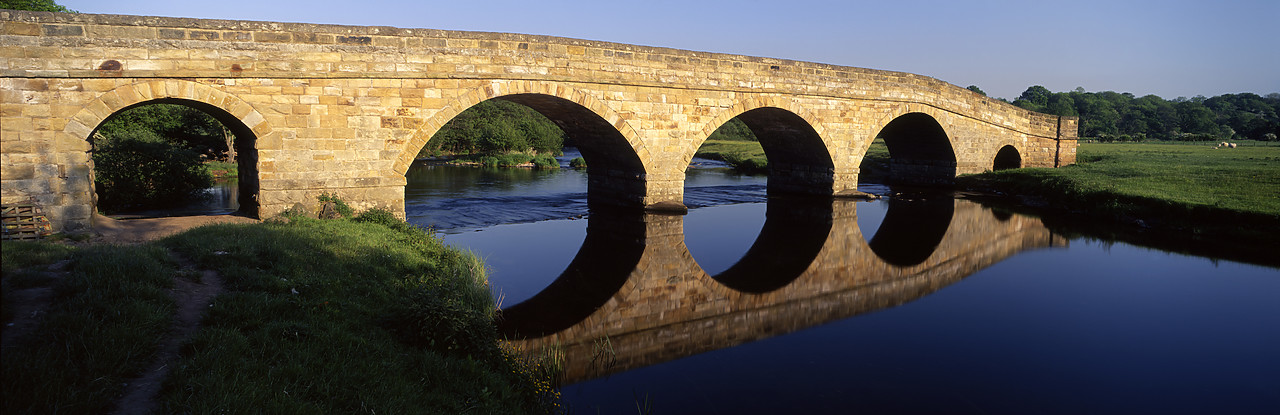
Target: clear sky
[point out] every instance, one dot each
(1168, 48)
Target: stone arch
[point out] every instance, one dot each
(499, 89)
(613, 143)
(248, 125)
(921, 144)
(800, 155)
(1008, 157)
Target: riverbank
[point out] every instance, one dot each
(317, 316)
(743, 156)
(1189, 198)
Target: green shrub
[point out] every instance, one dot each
(546, 161)
(140, 170)
(439, 317)
(578, 163)
(343, 209)
(379, 216)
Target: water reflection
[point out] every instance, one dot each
(220, 199)
(634, 284)
(912, 228)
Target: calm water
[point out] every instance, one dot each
(910, 304)
(220, 199)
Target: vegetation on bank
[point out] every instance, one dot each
(221, 169)
(735, 144)
(141, 170)
(745, 156)
(159, 156)
(494, 128)
(366, 314)
(1190, 188)
(540, 161)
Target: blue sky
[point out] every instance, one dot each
(1168, 48)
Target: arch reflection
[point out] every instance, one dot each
(613, 246)
(635, 284)
(794, 231)
(912, 229)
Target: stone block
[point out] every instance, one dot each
(62, 30)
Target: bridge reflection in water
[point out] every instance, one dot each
(634, 296)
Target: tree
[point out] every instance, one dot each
(1195, 118)
(1034, 98)
(733, 130)
(496, 127)
(1061, 104)
(975, 88)
(141, 170)
(34, 5)
(182, 125)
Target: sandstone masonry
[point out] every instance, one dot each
(342, 109)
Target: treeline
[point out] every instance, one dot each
(496, 127)
(1112, 116)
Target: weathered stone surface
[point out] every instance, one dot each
(344, 110)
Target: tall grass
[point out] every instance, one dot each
(103, 326)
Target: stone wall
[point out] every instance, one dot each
(345, 109)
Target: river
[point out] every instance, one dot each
(915, 303)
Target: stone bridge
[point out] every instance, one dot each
(342, 109)
(634, 296)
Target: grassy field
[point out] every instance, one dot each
(365, 315)
(1184, 185)
(1188, 177)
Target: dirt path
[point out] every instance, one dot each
(134, 231)
(192, 298)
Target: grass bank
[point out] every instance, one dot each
(364, 315)
(1187, 191)
(744, 156)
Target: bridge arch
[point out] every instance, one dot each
(607, 141)
(1008, 157)
(245, 122)
(800, 156)
(921, 145)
